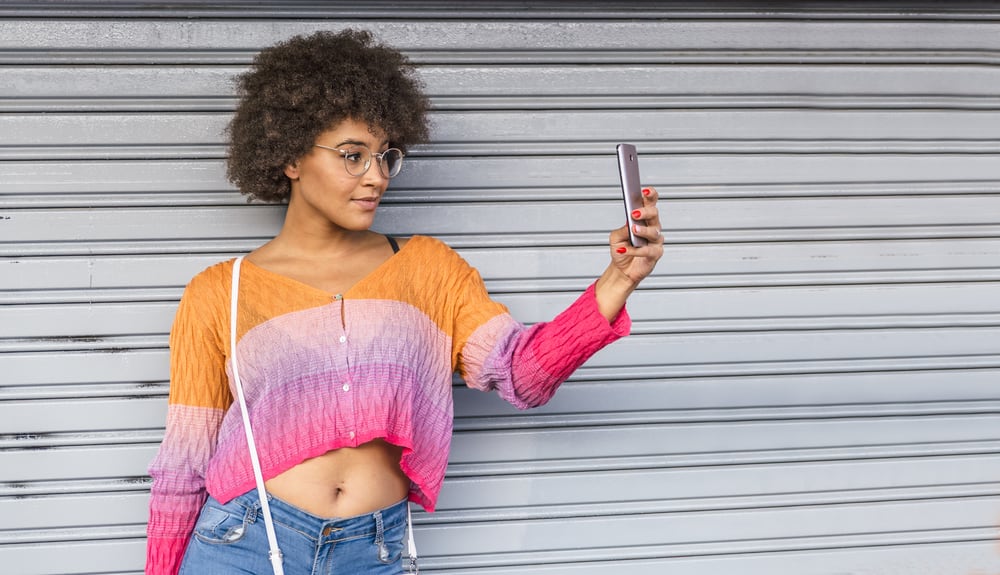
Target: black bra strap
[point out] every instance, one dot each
(392, 242)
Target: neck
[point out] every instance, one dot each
(318, 240)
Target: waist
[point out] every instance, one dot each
(421, 465)
(344, 482)
(322, 529)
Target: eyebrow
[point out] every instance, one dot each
(354, 142)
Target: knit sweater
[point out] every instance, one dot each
(323, 371)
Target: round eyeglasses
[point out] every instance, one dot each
(358, 158)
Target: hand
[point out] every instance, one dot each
(630, 265)
(637, 263)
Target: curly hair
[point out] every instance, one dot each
(299, 88)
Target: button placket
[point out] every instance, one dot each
(342, 341)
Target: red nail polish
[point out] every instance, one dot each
(646, 191)
(636, 214)
(621, 250)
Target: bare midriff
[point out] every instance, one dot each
(344, 482)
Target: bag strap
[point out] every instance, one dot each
(274, 554)
(411, 545)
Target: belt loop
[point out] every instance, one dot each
(383, 551)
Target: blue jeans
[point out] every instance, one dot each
(231, 539)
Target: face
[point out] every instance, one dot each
(324, 193)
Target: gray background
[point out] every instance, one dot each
(813, 383)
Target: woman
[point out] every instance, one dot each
(347, 339)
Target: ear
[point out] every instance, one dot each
(292, 170)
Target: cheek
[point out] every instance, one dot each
(329, 178)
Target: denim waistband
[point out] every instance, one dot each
(324, 529)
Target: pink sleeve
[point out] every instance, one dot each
(199, 393)
(526, 365)
(178, 490)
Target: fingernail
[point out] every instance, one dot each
(636, 214)
(635, 228)
(646, 191)
(621, 250)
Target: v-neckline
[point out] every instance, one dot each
(310, 287)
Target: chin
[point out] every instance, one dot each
(359, 226)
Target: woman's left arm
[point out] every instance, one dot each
(630, 265)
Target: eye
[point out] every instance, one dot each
(354, 157)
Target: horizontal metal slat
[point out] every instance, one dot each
(798, 350)
(82, 415)
(580, 396)
(439, 179)
(577, 266)
(134, 458)
(520, 451)
(546, 496)
(788, 74)
(507, 9)
(948, 552)
(753, 79)
(760, 524)
(167, 182)
(593, 389)
(86, 462)
(665, 440)
(686, 132)
(98, 553)
(232, 35)
(715, 487)
(711, 355)
(773, 308)
(118, 224)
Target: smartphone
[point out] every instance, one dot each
(628, 171)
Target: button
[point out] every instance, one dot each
(347, 387)
(343, 338)
(352, 435)
(338, 297)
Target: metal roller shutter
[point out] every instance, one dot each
(813, 383)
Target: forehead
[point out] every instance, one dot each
(351, 130)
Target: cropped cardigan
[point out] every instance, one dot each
(324, 371)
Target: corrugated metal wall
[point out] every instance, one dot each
(813, 383)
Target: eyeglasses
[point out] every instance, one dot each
(357, 160)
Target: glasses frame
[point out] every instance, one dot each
(379, 157)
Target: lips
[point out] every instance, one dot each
(369, 203)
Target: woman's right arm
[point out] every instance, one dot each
(199, 396)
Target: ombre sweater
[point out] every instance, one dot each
(323, 371)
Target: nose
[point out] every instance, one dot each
(373, 176)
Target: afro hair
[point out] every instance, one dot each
(299, 88)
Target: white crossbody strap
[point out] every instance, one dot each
(275, 553)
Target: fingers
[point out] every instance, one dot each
(622, 246)
(619, 240)
(648, 212)
(649, 229)
(649, 195)
(652, 234)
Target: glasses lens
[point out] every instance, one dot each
(392, 162)
(357, 159)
